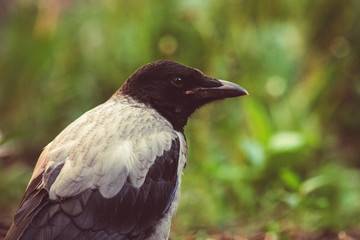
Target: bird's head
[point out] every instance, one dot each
(176, 90)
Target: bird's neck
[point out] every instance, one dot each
(177, 118)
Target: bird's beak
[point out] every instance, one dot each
(214, 89)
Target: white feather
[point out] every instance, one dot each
(117, 139)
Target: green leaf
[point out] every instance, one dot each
(312, 184)
(254, 151)
(258, 120)
(290, 178)
(286, 141)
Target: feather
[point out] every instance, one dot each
(131, 214)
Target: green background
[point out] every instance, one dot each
(286, 158)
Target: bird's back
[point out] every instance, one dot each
(111, 174)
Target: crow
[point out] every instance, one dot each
(115, 172)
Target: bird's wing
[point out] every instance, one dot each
(95, 181)
(34, 184)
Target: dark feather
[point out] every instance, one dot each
(32, 202)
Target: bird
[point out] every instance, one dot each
(115, 172)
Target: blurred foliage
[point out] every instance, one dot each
(285, 157)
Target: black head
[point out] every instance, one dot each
(176, 90)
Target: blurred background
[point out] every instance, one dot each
(282, 163)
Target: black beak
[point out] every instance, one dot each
(214, 89)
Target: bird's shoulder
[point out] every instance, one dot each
(107, 144)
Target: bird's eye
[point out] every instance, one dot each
(177, 82)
